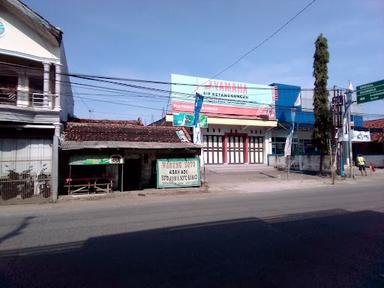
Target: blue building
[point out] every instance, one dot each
(301, 116)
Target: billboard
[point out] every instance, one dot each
(178, 172)
(222, 97)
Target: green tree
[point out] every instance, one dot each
(322, 124)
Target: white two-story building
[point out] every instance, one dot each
(35, 99)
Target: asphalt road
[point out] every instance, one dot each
(328, 236)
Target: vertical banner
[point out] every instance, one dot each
(198, 104)
(197, 134)
(288, 144)
(196, 125)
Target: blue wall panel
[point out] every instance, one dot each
(287, 95)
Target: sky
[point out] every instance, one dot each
(149, 39)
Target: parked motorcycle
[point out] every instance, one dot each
(43, 180)
(9, 184)
(26, 185)
(17, 184)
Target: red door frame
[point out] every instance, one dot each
(245, 145)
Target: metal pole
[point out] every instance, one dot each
(55, 162)
(349, 137)
(288, 164)
(332, 168)
(122, 178)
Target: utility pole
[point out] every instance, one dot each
(348, 108)
(337, 129)
(333, 134)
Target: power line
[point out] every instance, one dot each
(229, 66)
(281, 107)
(101, 78)
(118, 103)
(148, 95)
(265, 40)
(230, 101)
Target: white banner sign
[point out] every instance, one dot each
(357, 136)
(361, 136)
(178, 172)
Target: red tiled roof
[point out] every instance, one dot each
(377, 137)
(137, 122)
(377, 123)
(113, 131)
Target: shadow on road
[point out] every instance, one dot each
(333, 248)
(18, 230)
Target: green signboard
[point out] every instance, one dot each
(178, 172)
(183, 119)
(94, 159)
(370, 92)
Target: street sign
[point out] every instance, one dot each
(370, 92)
(187, 120)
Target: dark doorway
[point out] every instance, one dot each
(153, 174)
(132, 174)
(8, 88)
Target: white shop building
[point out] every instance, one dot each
(240, 117)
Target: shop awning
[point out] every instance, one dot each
(95, 159)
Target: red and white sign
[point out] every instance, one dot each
(215, 109)
(223, 97)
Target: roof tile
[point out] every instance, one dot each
(111, 130)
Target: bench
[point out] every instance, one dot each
(88, 185)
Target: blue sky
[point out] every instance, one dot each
(150, 39)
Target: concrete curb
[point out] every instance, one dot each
(135, 193)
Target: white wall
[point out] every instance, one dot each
(307, 101)
(24, 153)
(300, 162)
(20, 40)
(256, 131)
(66, 96)
(377, 160)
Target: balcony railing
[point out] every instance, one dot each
(8, 96)
(40, 100)
(21, 98)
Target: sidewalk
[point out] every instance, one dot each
(230, 179)
(263, 178)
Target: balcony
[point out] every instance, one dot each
(28, 84)
(8, 96)
(22, 99)
(29, 90)
(42, 101)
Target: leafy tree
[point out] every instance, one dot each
(322, 124)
